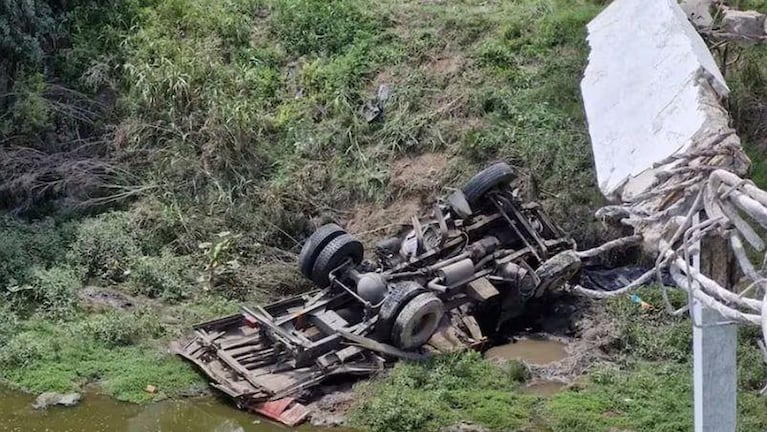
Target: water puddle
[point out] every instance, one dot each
(543, 388)
(103, 414)
(534, 351)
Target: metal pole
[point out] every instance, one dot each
(714, 347)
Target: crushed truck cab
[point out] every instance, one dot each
(448, 279)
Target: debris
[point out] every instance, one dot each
(746, 25)
(643, 304)
(374, 109)
(284, 410)
(435, 288)
(49, 399)
(150, 389)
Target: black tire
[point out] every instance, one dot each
(314, 245)
(496, 174)
(556, 271)
(398, 296)
(417, 321)
(337, 251)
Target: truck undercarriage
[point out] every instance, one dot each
(449, 279)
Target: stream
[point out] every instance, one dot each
(98, 413)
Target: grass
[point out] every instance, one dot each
(444, 391)
(647, 387)
(106, 349)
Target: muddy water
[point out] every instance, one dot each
(534, 351)
(103, 414)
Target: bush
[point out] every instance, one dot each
(55, 290)
(9, 322)
(105, 246)
(115, 329)
(22, 350)
(25, 245)
(166, 276)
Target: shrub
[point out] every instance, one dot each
(119, 328)
(26, 245)
(22, 350)
(55, 290)
(9, 322)
(105, 246)
(166, 276)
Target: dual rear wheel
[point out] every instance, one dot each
(328, 248)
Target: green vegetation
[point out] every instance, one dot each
(444, 391)
(178, 151)
(647, 388)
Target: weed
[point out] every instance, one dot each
(166, 276)
(54, 290)
(105, 246)
(653, 334)
(442, 391)
(320, 26)
(24, 246)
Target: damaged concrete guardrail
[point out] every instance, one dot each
(663, 149)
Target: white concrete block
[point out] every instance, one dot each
(642, 90)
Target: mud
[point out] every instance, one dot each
(331, 408)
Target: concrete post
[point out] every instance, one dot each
(714, 347)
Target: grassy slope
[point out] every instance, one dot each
(244, 117)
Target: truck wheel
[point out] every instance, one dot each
(417, 321)
(338, 250)
(556, 271)
(399, 294)
(495, 175)
(314, 245)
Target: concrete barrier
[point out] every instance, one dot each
(648, 92)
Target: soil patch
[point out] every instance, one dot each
(421, 174)
(369, 222)
(330, 409)
(99, 299)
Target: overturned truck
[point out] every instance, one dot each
(450, 278)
